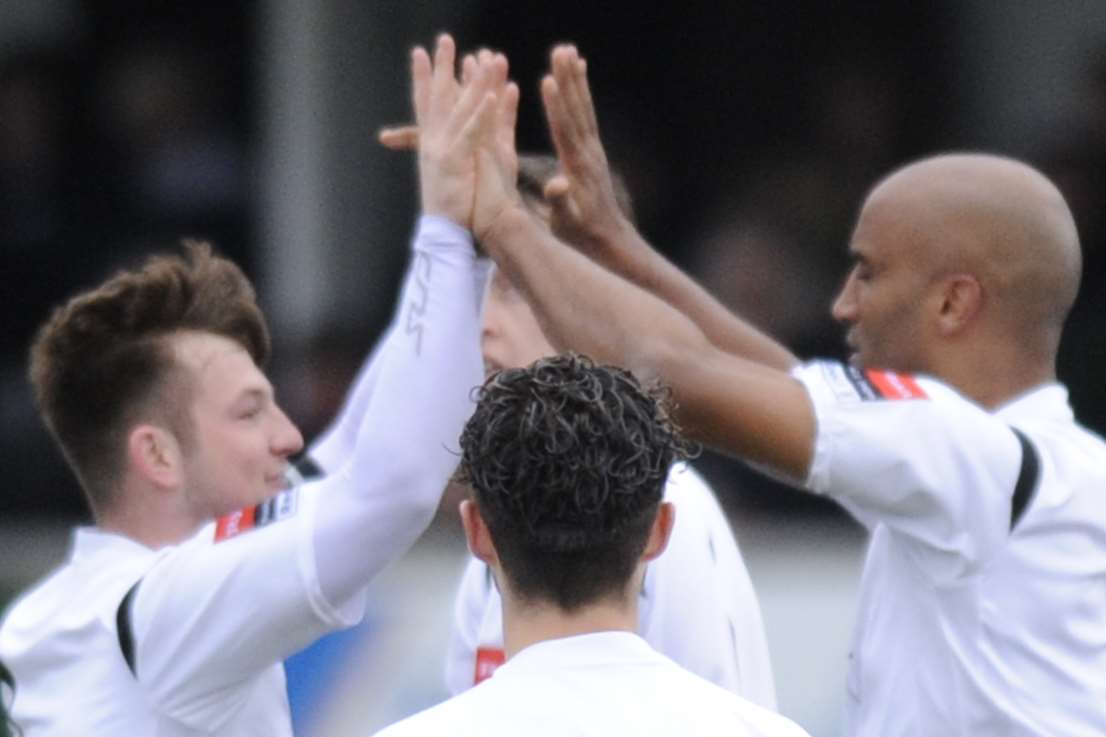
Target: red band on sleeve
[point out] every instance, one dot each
(893, 385)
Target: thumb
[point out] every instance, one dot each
(557, 194)
(399, 138)
(556, 191)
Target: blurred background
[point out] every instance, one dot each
(748, 133)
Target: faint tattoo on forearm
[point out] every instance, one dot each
(419, 299)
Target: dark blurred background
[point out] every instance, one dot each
(748, 133)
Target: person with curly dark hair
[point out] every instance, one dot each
(697, 604)
(567, 462)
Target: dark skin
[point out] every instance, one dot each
(936, 261)
(962, 263)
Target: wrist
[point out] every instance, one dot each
(503, 228)
(612, 240)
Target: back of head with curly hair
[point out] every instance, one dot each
(567, 461)
(103, 361)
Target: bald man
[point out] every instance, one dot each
(983, 602)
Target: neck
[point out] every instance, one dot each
(146, 522)
(993, 377)
(527, 623)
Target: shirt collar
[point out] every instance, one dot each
(1045, 402)
(594, 648)
(89, 541)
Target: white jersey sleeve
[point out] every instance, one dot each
(910, 453)
(208, 616)
(336, 444)
(217, 610)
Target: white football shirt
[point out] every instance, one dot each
(697, 605)
(974, 620)
(601, 683)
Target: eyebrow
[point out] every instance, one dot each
(254, 392)
(856, 255)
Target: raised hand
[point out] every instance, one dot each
(585, 211)
(497, 161)
(449, 115)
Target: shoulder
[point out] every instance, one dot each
(30, 615)
(97, 586)
(841, 383)
(451, 717)
(704, 698)
(75, 604)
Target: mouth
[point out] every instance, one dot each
(853, 349)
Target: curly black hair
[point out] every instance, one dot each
(568, 460)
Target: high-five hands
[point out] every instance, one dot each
(584, 210)
(497, 161)
(453, 118)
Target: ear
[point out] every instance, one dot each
(476, 534)
(154, 454)
(961, 301)
(661, 532)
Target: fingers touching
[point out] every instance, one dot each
(458, 104)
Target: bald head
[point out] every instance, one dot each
(993, 218)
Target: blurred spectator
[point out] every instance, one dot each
(176, 165)
(1077, 162)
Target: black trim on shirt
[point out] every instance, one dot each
(1028, 477)
(124, 629)
(6, 676)
(309, 468)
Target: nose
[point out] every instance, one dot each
(287, 439)
(844, 307)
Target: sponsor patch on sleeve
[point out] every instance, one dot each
(274, 509)
(850, 383)
(487, 660)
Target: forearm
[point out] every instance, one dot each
(571, 296)
(746, 408)
(628, 254)
(336, 445)
(387, 492)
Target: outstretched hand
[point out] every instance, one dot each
(585, 211)
(451, 116)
